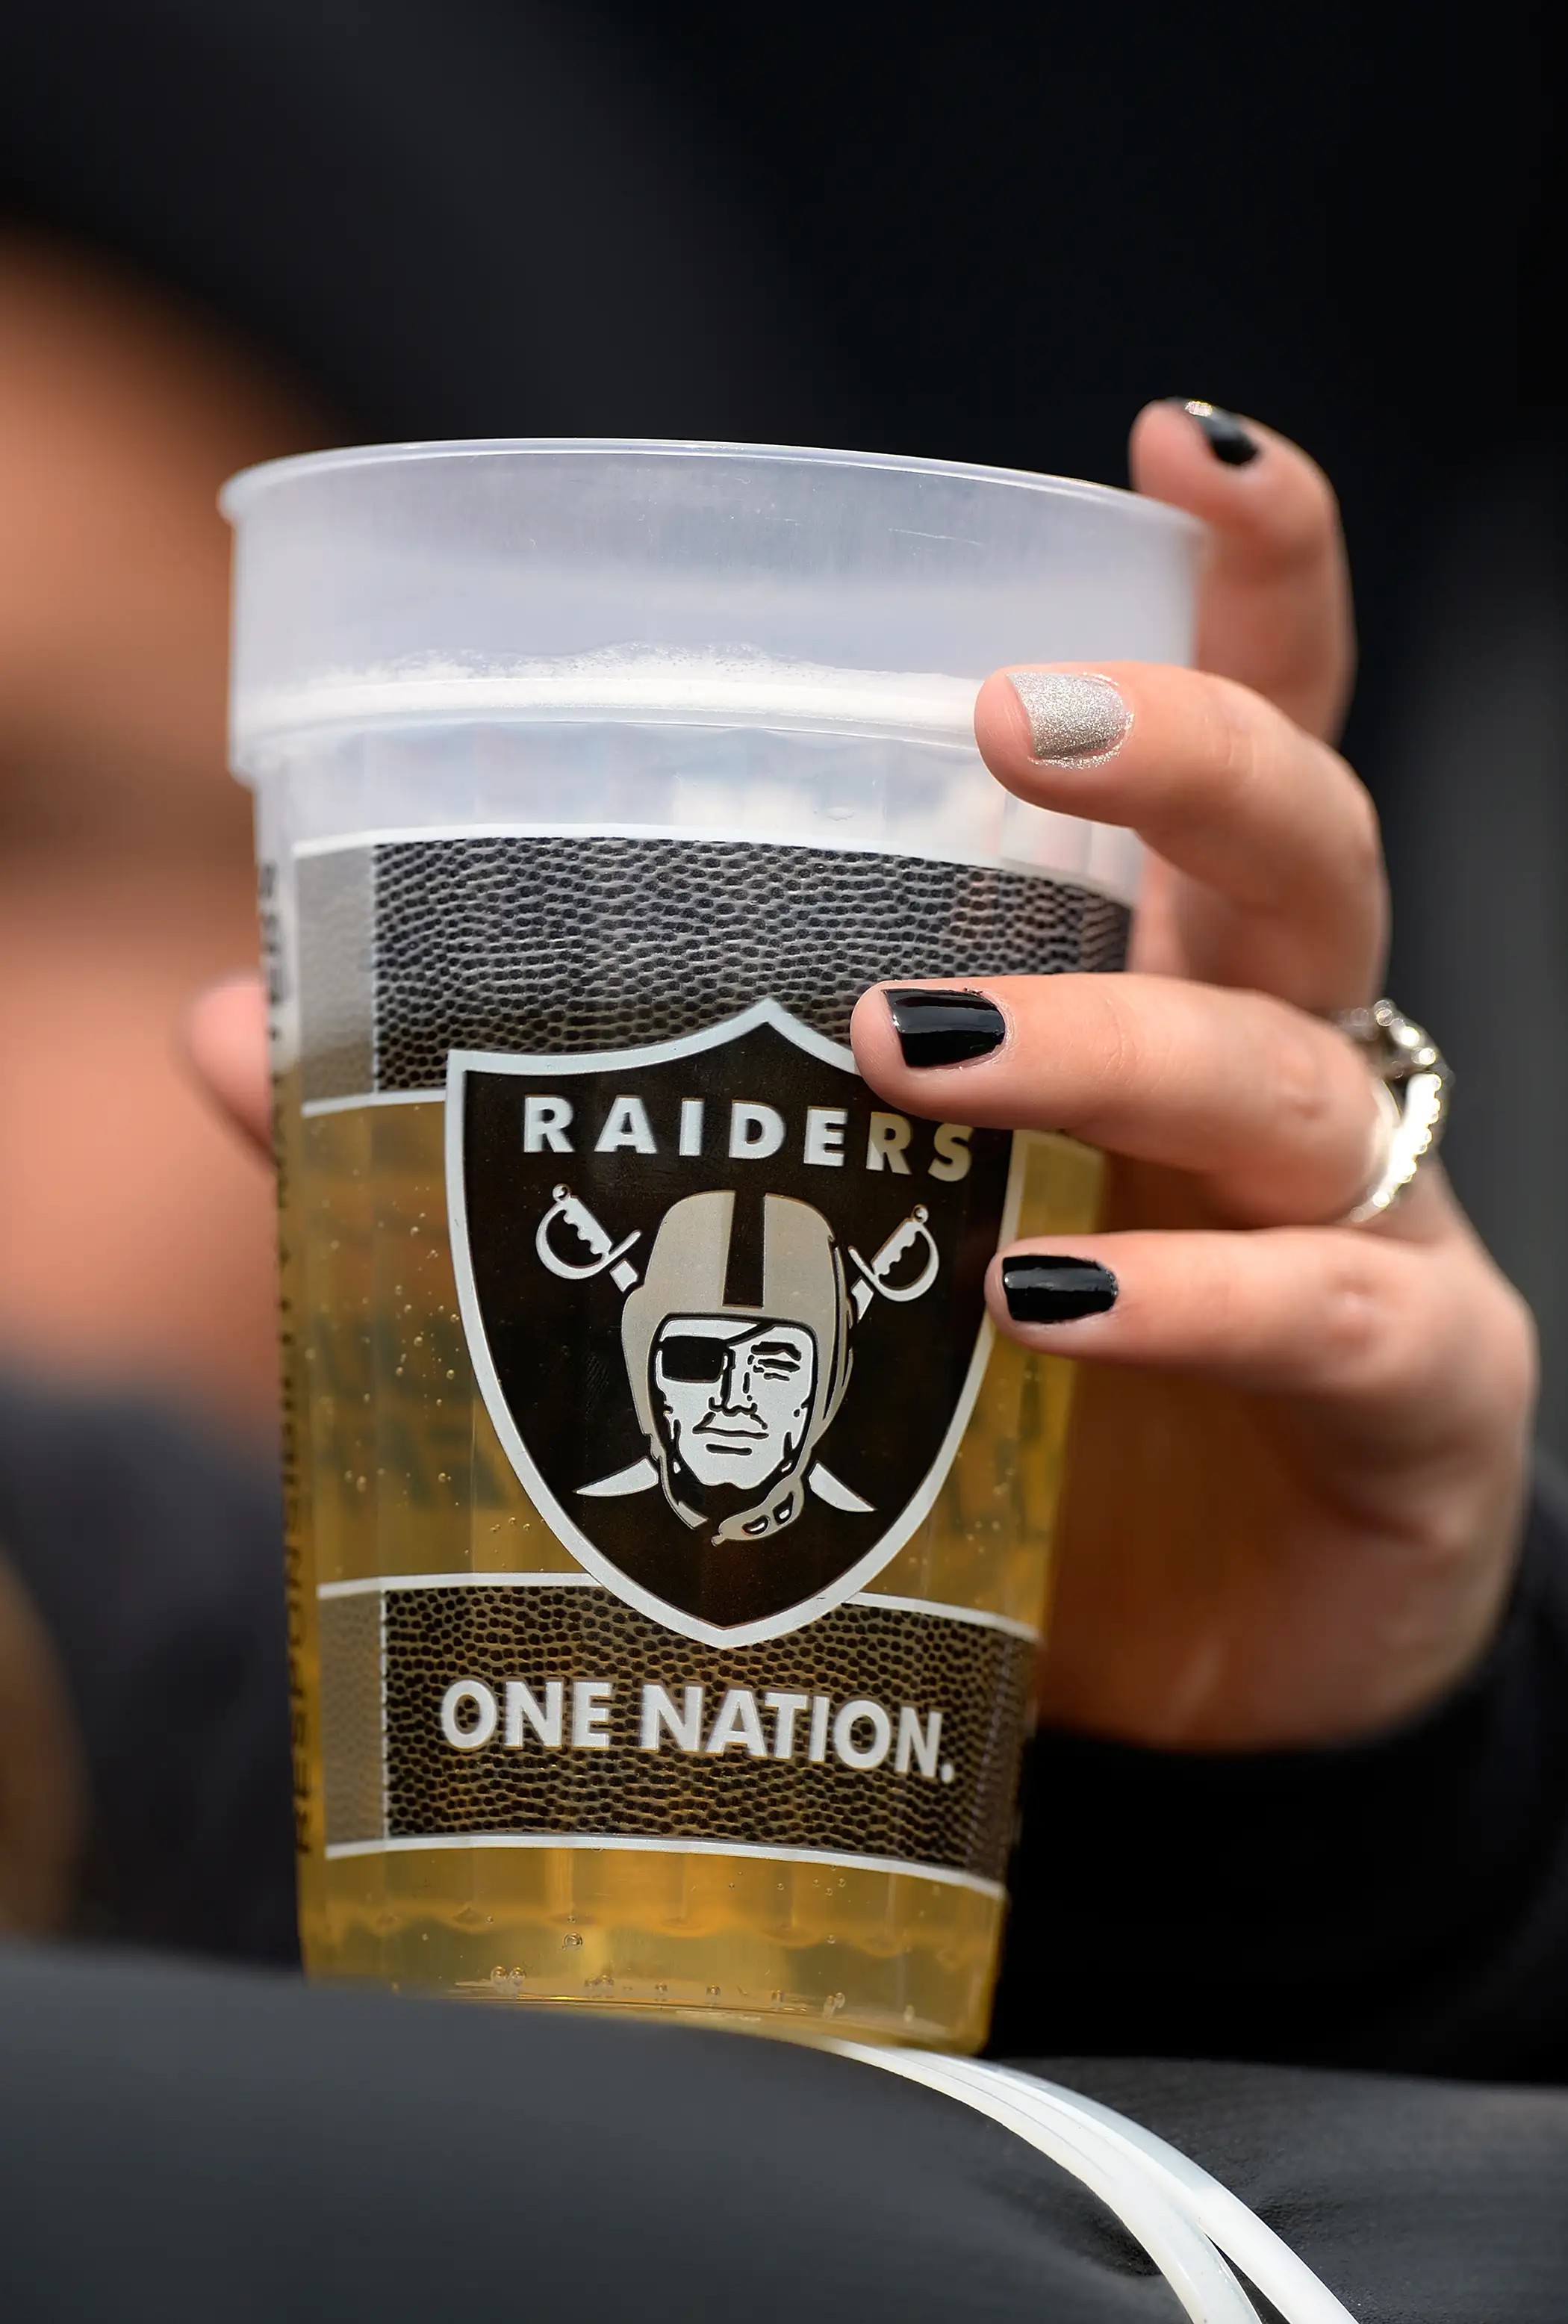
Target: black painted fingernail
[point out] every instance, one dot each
(1043, 1289)
(1228, 439)
(941, 1027)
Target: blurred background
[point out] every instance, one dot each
(987, 234)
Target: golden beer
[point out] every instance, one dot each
(395, 1469)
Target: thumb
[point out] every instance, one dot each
(224, 1042)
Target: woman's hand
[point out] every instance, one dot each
(1300, 1448)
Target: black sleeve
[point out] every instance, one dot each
(182, 2143)
(1401, 1903)
(152, 1548)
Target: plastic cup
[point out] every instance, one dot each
(668, 1543)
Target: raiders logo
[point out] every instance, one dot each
(725, 1310)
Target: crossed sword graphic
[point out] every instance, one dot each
(611, 1255)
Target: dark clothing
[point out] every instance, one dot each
(187, 2144)
(151, 1549)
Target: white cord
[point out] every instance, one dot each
(1186, 2222)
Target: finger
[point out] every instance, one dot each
(1274, 1114)
(225, 1039)
(1274, 604)
(1373, 1324)
(1274, 827)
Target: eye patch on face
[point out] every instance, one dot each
(684, 1356)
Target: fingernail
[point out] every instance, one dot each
(1228, 439)
(1042, 1289)
(1074, 721)
(941, 1027)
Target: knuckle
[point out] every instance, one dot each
(1391, 1332)
(1311, 529)
(1308, 535)
(1231, 737)
(1512, 1368)
(1234, 1318)
(1357, 1332)
(1525, 1345)
(1115, 1036)
(1309, 1082)
(1362, 850)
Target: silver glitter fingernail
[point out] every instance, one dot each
(1074, 721)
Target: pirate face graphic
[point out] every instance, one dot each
(734, 1381)
(731, 1405)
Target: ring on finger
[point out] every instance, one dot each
(1413, 1081)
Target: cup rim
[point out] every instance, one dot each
(244, 490)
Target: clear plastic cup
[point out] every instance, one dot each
(667, 1541)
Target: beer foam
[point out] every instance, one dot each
(725, 686)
